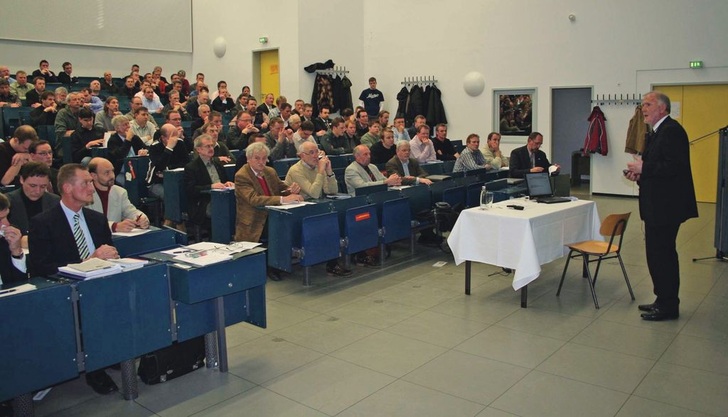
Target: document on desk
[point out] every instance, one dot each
(133, 232)
(91, 268)
(129, 264)
(291, 205)
(202, 258)
(17, 290)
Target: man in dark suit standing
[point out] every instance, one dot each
(12, 258)
(70, 233)
(529, 158)
(667, 198)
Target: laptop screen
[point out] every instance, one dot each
(538, 184)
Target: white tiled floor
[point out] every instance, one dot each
(406, 341)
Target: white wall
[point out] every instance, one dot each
(614, 46)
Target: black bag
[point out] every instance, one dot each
(172, 361)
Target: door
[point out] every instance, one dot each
(266, 77)
(570, 108)
(702, 110)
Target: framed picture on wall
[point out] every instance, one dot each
(514, 113)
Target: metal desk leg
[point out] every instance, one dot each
(468, 266)
(23, 406)
(524, 296)
(129, 387)
(211, 350)
(221, 338)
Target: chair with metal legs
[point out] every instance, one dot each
(613, 226)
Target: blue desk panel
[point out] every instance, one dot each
(222, 208)
(125, 315)
(175, 197)
(37, 339)
(155, 239)
(285, 225)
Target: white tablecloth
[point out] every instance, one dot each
(522, 240)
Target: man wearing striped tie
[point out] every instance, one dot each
(70, 233)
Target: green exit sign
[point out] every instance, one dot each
(696, 64)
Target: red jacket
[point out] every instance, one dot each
(596, 135)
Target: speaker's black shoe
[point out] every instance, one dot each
(274, 275)
(659, 314)
(101, 382)
(647, 307)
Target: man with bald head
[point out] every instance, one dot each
(169, 152)
(112, 200)
(361, 172)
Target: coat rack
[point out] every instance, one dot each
(337, 70)
(429, 79)
(621, 100)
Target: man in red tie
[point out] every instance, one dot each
(258, 185)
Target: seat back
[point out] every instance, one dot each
(614, 226)
(472, 198)
(361, 227)
(420, 199)
(433, 168)
(454, 196)
(370, 189)
(319, 238)
(136, 187)
(396, 220)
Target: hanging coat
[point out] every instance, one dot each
(636, 132)
(322, 93)
(346, 102)
(435, 109)
(596, 134)
(402, 99)
(416, 104)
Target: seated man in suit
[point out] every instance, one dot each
(87, 136)
(113, 200)
(258, 185)
(407, 168)
(12, 258)
(70, 233)
(361, 173)
(32, 197)
(529, 158)
(168, 152)
(203, 174)
(124, 143)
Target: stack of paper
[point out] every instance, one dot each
(129, 264)
(90, 268)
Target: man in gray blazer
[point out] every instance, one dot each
(31, 198)
(112, 200)
(361, 173)
(407, 168)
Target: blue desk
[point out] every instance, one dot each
(222, 207)
(38, 336)
(155, 239)
(175, 197)
(209, 298)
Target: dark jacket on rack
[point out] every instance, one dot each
(636, 132)
(435, 109)
(596, 134)
(346, 101)
(416, 105)
(402, 100)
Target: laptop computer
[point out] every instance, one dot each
(539, 188)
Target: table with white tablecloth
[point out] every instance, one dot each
(522, 240)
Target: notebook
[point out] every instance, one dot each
(539, 188)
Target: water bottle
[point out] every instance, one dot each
(483, 198)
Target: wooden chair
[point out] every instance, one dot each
(613, 226)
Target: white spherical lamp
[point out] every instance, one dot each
(474, 83)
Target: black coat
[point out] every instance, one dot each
(197, 181)
(667, 195)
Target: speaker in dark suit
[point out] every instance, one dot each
(667, 199)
